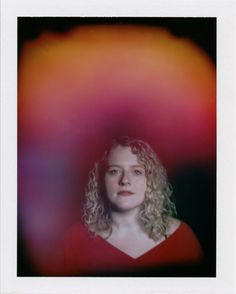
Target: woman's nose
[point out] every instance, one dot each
(125, 178)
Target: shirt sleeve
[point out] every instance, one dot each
(188, 243)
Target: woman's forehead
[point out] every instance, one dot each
(122, 154)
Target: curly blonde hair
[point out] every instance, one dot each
(155, 210)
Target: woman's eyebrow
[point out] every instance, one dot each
(117, 165)
(137, 165)
(113, 165)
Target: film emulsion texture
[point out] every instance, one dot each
(84, 83)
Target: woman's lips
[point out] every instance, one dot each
(125, 193)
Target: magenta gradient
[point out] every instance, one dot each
(66, 121)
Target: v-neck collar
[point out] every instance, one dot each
(109, 245)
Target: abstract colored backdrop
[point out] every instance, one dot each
(83, 85)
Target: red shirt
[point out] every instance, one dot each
(86, 255)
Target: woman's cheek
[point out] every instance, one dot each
(111, 183)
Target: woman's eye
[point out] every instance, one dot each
(113, 171)
(138, 172)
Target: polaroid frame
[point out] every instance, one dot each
(224, 281)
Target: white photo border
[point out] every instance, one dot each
(224, 11)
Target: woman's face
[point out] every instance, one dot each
(125, 180)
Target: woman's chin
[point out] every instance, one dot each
(126, 207)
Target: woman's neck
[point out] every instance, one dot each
(125, 220)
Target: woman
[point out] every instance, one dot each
(128, 214)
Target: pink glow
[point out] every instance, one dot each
(79, 90)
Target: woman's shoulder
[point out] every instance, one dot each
(76, 232)
(173, 225)
(181, 233)
(179, 228)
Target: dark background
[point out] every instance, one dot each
(194, 187)
(201, 30)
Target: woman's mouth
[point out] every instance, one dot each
(125, 193)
